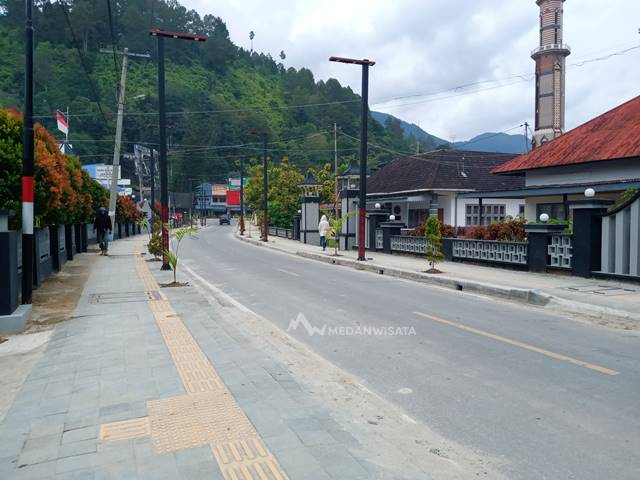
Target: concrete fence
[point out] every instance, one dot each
(557, 251)
(54, 245)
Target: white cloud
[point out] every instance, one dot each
(423, 47)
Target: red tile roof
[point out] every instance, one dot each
(613, 135)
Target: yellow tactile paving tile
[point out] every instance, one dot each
(124, 430)
(207, 415)
(246, 460)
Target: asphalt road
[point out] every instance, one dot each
(551, 397)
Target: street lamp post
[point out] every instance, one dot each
(164, 197)
(362, 207)
(265, 183)
(27, 161)
(241, 196)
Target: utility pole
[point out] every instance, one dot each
(362, 207)
(335, 164)
(164, 200)
(115, 169)
(116, 149)
(27, 160)
(526, 136)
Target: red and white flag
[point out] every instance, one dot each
(63, 124)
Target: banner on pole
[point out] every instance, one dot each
(63, 124)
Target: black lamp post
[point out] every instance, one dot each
(27, 161)
(241, 195)
(362, 207)
(265, 183)
(164, 196)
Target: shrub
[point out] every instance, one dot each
(434, 241)
(63, 193)
(155, 244)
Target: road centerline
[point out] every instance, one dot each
(523, 345)
(288, 272)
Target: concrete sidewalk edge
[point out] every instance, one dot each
(521, 295)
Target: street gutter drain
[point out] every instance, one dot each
(458, 287)
(123, 297)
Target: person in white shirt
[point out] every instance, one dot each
(323, 228)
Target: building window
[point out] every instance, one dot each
(554, 210)
(521, 211)
(418, 217)
(490, 214)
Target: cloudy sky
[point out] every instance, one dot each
(425, 49)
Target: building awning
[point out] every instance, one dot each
(540, 191)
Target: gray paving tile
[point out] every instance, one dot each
(108, 410)
(84, 474)
(337, 461)
(77, 448)
(78, 462)
(40, 471)
(191, 456)
(117, 471)
(78, 434)
(199, 471)
(10, 444)
(40, 449)
(315, 437)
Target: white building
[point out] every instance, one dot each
(434, 183)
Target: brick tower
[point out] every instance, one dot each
(550, 67)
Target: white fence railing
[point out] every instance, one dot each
(407, 244)
(560, 251)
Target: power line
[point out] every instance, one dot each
(113, 42)
(82, 62)
(519, 78)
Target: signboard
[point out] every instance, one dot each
(233, 197)
(100, 171)
(234, 183)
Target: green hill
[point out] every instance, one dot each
(216, 91)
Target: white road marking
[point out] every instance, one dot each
(525, 346)
(288, 272)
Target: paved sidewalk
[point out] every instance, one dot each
(148, 382)
(609, 302)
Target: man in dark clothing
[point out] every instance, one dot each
(102, 225)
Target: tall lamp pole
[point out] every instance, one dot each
(164, 197)
(241, 195)
(27, 160)
(265, 183)
(362, 208)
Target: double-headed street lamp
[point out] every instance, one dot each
(265, 182)
(164, 196)
(362, 208)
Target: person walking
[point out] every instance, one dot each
(102, 226)
(323, 228)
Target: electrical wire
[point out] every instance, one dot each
(114, 46)
(381, 101)
(83, 63)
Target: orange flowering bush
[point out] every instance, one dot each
(126, 210)
(63, 193)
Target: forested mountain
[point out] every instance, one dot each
(412, 132)
(495, 142)
(216, 91)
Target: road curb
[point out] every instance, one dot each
(534, 296)
(530, 296)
